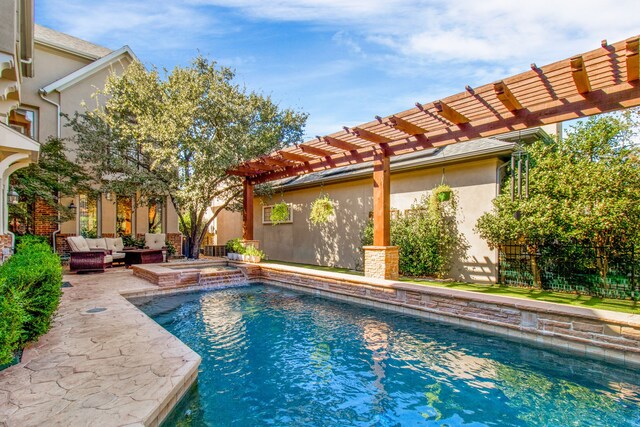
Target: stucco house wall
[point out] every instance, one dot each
(52, 63)
(338, 242)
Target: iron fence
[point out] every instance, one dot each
(215, 250)
(599, 271)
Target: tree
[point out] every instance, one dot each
(584, 188)
(178, 135)
(48, 180)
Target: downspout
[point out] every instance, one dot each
(43, 94)
(498, 186)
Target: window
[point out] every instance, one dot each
(124, 214)
(88, 214)
(25, 121)
(156, 214)
(266, 214)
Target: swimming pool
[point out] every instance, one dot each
(272, 356)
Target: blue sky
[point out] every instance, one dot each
(345, 61)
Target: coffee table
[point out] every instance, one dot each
(142, 256)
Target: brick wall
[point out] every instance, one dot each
(597, 333)
(5, 243)
(44, 219)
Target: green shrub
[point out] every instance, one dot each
(171, 249)
(235, 246)
(30, 292)
(279, 213)
(253, 251)
(427, 236)
(29, 239)
(11, 321)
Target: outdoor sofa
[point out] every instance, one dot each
(94, 254)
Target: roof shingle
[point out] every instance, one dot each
(65, 41)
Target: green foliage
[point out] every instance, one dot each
(427, 236)
(131, 242)
(27, 240)
(29, 295)
(178, 134)
(321, 210)
(171, 249)
(253, 251)
(583, 188)
(235, 246)
(279, 213)
(52, 177)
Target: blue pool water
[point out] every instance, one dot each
(281, 358)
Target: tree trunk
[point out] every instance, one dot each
(535, 268)
(602, 261)
(193, 242)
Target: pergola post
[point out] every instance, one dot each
(381, 260)
(247, 214)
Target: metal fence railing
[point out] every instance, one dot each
(600, 271)
(214, 250)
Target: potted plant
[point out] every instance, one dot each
(321, 209)
(254, 254)
(279, 213)
(443, 192)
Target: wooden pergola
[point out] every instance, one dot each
(602, 80)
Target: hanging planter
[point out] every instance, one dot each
(279, 213)
(443, 192)
(321, 210)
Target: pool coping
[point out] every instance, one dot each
(110, 367)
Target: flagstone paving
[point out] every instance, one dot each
(109, 368)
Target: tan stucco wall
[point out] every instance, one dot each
(51, 65)
(227, 225)
(338, 242)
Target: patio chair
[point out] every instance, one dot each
(83, 258)
(113, 247)
(156, 241)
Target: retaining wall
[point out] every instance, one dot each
(602, 334)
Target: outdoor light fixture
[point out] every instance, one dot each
(108, 196)
(72, 205)
(13, 197)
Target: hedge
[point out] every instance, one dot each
(30, 292)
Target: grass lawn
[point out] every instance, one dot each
(586, 301)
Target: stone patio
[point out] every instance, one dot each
(108, 368)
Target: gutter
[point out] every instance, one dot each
(43, 94)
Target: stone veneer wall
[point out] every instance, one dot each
(381, 262)
(597, 333)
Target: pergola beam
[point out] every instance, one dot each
(338, 143)
(295, 157)
(405, 126)
(370, 136)
(579, 74)
(275, 162)
(315, 151)
(632, 59)
(444, 110)
(503, 93)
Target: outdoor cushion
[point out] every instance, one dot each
(114, 245)
(155, 241)
(78, 244)
(96, 243)
(108, 259)
(118, 255)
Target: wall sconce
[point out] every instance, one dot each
(13, 197)
(108, 196)
(72, 205)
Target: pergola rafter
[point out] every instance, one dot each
(598, 81)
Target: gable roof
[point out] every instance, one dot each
(469, 150)
(88, 70)
(52, 38)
